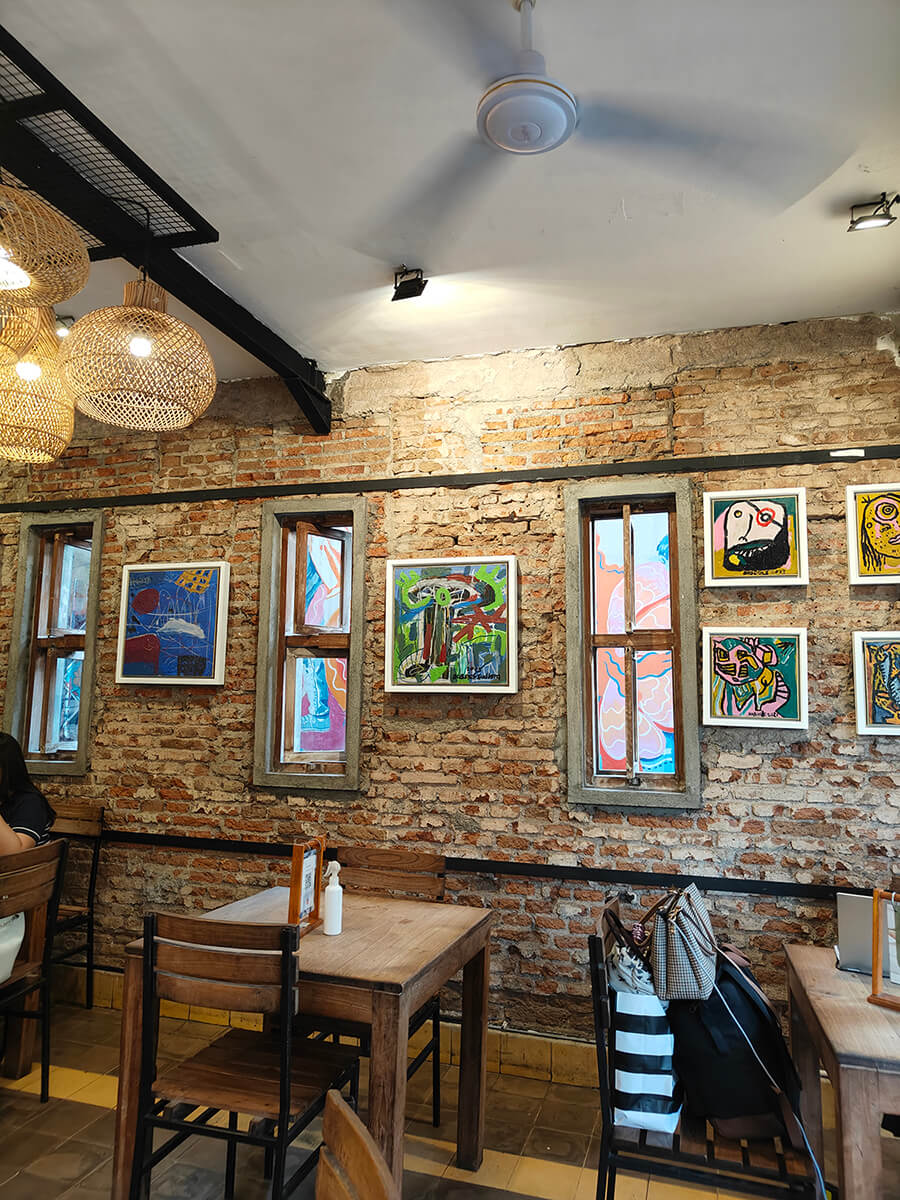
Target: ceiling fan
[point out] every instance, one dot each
(524, 112)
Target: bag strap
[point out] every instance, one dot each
(795, 1131)
(621, 934)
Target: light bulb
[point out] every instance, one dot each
(140, 347)
(11, 276)
(29, 371)
(62, 331)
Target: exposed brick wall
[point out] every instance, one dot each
(485, 776)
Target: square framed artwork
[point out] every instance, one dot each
(873, 533)
(755, 538)
(451, 625)
(876, 682)
(755, 677)
(173, 622)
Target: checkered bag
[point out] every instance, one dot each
(682, 946)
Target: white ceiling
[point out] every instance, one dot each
(326, 142)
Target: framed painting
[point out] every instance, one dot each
(755, 677)
(873, 533)
(755, 538)
(876, 682)
(450, 625)
(173, 622)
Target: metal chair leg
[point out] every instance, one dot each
(89, 960)
(278, 1166)
(45, 1042)
(230, 1158)
(436, 1066)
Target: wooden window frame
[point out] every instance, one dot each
(37, 644)
(286, 526)
(630, 789)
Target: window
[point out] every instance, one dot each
(48, 691)
(310, 644)
(632, 691)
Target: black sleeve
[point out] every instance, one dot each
(29, 813)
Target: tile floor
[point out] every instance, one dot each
(541, 1138)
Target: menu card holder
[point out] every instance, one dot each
(877, 996)
(306, 884)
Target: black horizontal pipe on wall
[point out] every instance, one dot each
(645, 466)
(525, 870)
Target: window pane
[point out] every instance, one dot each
(608, 575)
(324, 573)
(655, 750)
(75, 575)
(609, 706)
(320, 705)
(62, 733)
(650, 557)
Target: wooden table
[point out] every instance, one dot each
(391, 957)
(859, 1046)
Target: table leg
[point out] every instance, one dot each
(858, 1133)
(20, 1034)
(387, 1078)
(473, 1061)
(129, 1077)
(806, 1060)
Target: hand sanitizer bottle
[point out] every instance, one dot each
(334, 898)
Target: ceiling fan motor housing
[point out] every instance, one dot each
(527, 113)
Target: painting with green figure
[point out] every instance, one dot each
(450, 622)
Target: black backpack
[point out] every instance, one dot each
(724, 1081)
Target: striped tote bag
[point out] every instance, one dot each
(646, 1094)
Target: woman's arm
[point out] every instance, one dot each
(12, 842)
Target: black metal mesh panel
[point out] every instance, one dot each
(60, 132)
(14, 83)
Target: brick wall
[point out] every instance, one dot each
(484, 776)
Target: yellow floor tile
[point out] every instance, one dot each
(546, 1180)
(668, 1189)
(64, 1082)
(628, 1186)
(426, 1155)
(495, 1171)
(103, 1091)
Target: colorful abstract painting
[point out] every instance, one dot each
(876, 677)
(451, 625)
(654, 734)
(755, 677)
(873, 533)
(755, 538)
(320, 704)
(172, 623)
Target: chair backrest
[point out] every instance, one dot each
(77, 820)
(351, 1167)
(599, 945)
(29, 883)
(381, 869)
(219, 964)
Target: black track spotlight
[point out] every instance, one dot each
(876, 214)
(408, 283)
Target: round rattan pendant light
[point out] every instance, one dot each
(43, 259)
(136, 366)
(37, 415)
(18, 329)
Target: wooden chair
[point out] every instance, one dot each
(278, 1080)
(409, 874)
(351, 1166)
(80, 823)
(29, 883)
(695, 1153)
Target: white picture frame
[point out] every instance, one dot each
(170, 620)
(422, 665)
(863, 701)
(797, 683)
(862, 545)
(713, 504)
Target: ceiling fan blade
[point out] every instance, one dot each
(745, 149)
(412, 232)
(481, 35)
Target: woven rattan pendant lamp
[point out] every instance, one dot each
(136, 366)
(37, 415)
(43, 259)
(18, 329)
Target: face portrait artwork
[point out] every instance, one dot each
(878, 533)
(755, 537)
(755, 677)
(876, 673)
